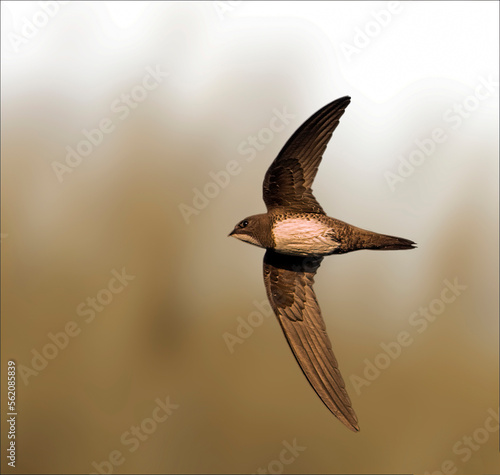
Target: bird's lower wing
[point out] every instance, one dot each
(289, 285)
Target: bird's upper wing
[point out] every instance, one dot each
(289, 282)
(288, 180)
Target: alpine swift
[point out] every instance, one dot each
(297, 234)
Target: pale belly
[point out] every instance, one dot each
(303, 237)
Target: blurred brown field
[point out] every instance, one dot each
(119, 283)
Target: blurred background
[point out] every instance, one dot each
(136, 134)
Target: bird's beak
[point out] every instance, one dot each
(231, 233)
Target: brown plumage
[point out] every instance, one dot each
(297, 234)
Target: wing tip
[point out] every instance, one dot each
(349, 419)
(336, 107)
(353, 427)
(344, 100)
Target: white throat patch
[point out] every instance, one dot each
(247, 238)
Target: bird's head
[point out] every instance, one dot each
(250, 230)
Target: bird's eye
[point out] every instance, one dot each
(244, 224)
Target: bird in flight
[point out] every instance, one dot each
(297, 234)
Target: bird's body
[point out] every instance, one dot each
(313, 234)
(297, 234)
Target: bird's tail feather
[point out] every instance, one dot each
(375, 241)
